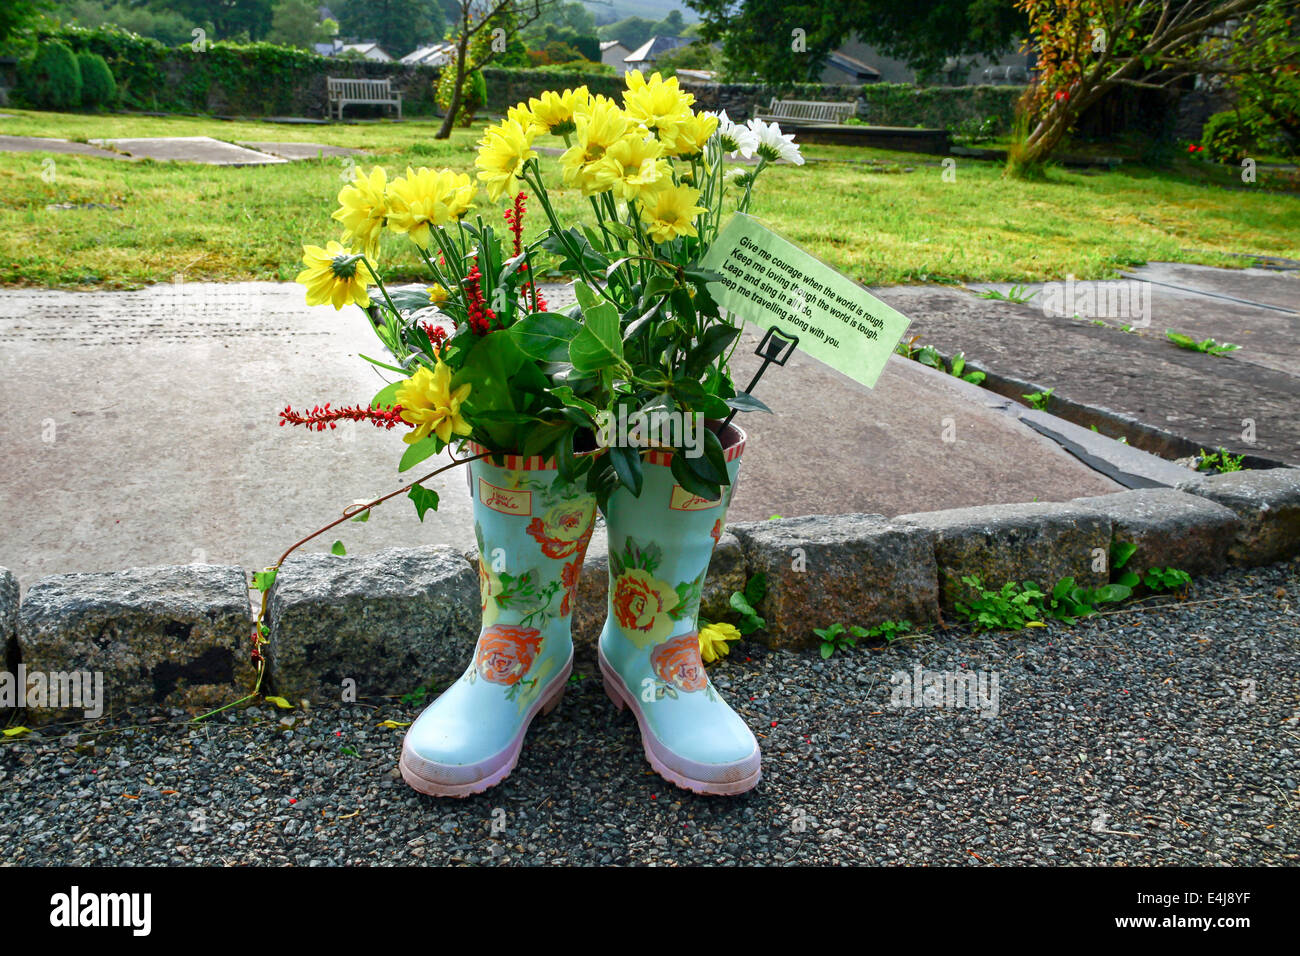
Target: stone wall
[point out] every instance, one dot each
(390, 621)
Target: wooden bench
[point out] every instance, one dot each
(344, 90)
(807, 111)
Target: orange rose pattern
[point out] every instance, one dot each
(505, 652)
(641, 604)
(569, 581)
(566, 528)
(677, 662)
(716, 533)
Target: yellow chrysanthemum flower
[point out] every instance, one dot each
(362, 209)
(598, 125)
(425, 198)
(524, 117)
(555, 111)
(503, 150)
(335, 275)
(657, 104)
(669, 212)
(429, 403)
(688, 137)
(438, 294)
(713, 641)
(635, 165)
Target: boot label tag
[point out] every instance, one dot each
(505, 500)
(683, 500)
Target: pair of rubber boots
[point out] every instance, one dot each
(533, 531)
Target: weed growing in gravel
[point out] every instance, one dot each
(1219, 461)
(744, 603)
(837, 637)
(929, 355)
(1015, 294)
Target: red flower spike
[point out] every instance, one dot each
(436, 333)
(480, 316)
(322, 417)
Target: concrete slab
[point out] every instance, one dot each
(1280, 289)
(190, 149)
(140, 429)
(297, 151)
(1169, 400)
(42, 144)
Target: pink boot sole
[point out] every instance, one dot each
(423, 774)
(746, 772)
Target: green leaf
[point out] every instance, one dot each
(627, 465)
(1120, 552)
(598, 345)
(1129, 579)
(545, 336)
(756, 589)
(279, 702)
(15, 731)
(262, 580)
(692, 482)
(827, 650)
(386, 397)
(744, 402)
(337, 548)
(425, 499)
(414, 454)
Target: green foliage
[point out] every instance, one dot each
(1207, 346)
(17, 14)
(1232, 135)
(98, 88)
(399, 26)
(929, 355)
(745, 603)
(1015, 294)
(294, 23)
(1018, 605)
(1219, 461)
(164, 25)
(835, 638)
(1166, 579)
(51, 79)
(1039, 400)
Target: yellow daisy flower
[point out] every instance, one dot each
(425, 198)
(362, 209)
(657, 104)
(554, 111)
(597, 126)
(713, 641)
(524, 117)
(503, 150)
(335, 275)
(431, 405)
(688, 137)
(669, 212)
(637, 166)
(438, 294)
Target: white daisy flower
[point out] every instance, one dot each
(735, 139)
(773, 144)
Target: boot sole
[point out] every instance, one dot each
(622, 697)
(501, 764)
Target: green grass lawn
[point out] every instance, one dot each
(861, 210)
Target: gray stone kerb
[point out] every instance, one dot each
(387, 622)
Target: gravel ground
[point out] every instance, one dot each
(1159, 737)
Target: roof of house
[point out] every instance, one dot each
(850, 65)
(432, 54)
(609, 45)
(654, 47)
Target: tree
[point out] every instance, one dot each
(630, 31)
(399, 26)
(294, 23)
(165, 26)
(482, 33)
(16, 14)
(1087, 48)
(230, 19)
(761, 39)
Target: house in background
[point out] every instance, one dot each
(855, 61)
(643, 57)
(613, 53)
(368, 50)
(433, 54)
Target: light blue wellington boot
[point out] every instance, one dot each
(532, 531)
(659, 550)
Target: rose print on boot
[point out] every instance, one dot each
(505, 653)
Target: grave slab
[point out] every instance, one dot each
(43, 144)
(190, 149)
(299, 151)
(168, 450)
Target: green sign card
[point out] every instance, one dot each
(770, 281)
